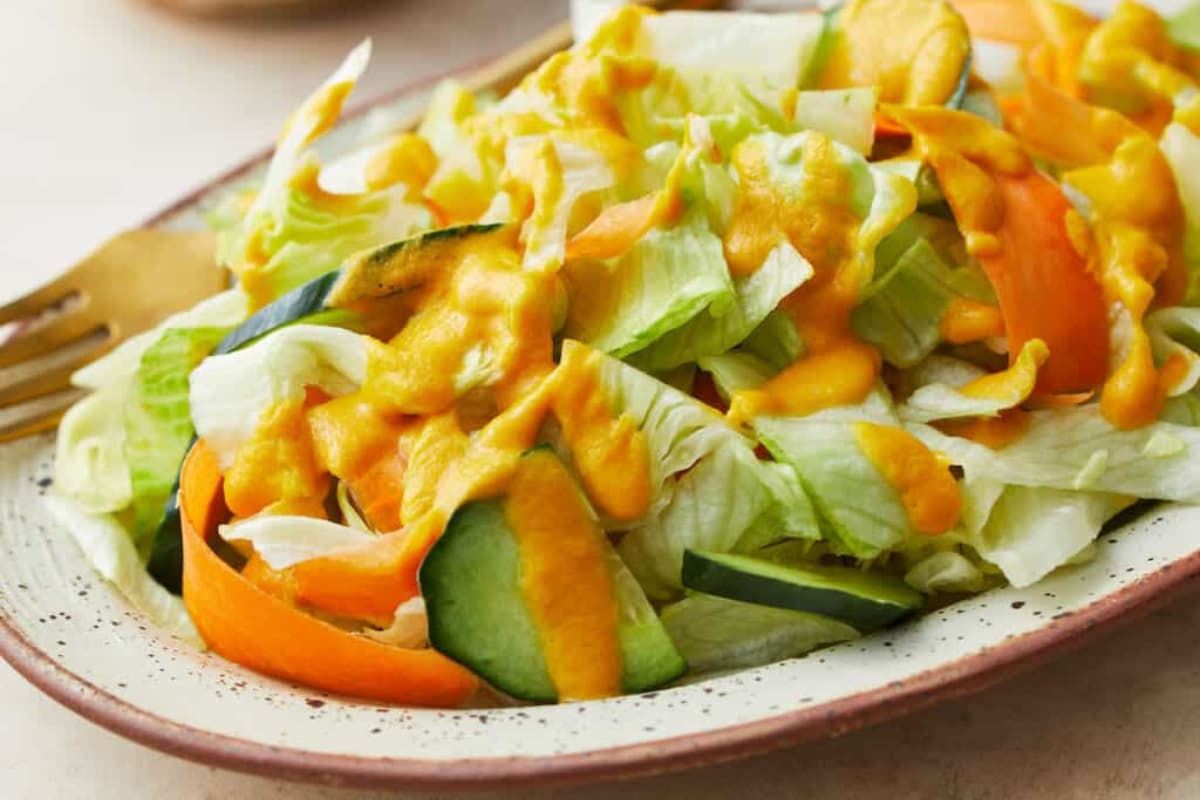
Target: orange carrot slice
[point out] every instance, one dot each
(248, 626)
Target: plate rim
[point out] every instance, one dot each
(958, 678)
(964, 676)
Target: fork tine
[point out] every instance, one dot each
(55, 380)
(35, 416)
(60, 333)
(36, 301)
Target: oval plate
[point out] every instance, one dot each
(69, 633)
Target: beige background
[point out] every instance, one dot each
(108, 108)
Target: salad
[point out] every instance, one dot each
(720, 338)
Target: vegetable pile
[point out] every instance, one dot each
(720, 338)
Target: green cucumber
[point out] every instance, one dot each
(301, 304)
(866, 601)
(478, 615)
(404, 265)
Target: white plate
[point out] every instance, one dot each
(73, 636)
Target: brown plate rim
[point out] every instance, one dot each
(954, 679)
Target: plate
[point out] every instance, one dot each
(69, 633)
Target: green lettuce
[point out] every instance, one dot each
(229, 392)
(713, 633)
(1077, 449)
(710, 333)
(860, 511)
(158, 426)
(304, 233)
(107, 547)
(902, 315)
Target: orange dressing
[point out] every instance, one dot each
(1138, 226)
(565, 578)
(1014, 385)
(406, 159)
(966, 320)
(927, 489)
(278, 462)
(819, 222)
(993, 432)
(913, 50)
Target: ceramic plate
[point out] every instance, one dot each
(71, 634)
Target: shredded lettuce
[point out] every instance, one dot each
(710, 333)
(936, 401)
(230, 392)
(293, 230)
(1032, 531)
(284, 541)
(861, 512)
(1077, 449)
(158, 426)
(944, 572)
(107, 547)
(903, 315)
(89, 459)
(713, 633)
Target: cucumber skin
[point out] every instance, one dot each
(712, 577)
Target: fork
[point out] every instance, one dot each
(140, 277)
(128, 285)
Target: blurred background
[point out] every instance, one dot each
(111, 108)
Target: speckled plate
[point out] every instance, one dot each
(70, 634)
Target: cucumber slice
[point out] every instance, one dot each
(302, 303)
(715, 633)
(471, 584)
(405, 265)
(478, 615)
(864, 600)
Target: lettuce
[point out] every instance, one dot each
(564, 170)
(710, 333)
(772, 48)
(158, 426)
(1181, 148)
(711, 506)
(845, 115)
(293, 230)
(860, 511)
(284, 541)
(90, 463)
(936, 401)
(107, 547)
(89, 458)
(1077, 449)
(713, 633)
(1033, 531)
(230, 392)
(902, 316)
(945, 571)
(737, 371)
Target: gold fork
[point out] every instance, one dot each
(140, 277)
(129, 285)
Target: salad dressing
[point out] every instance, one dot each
(966, 320)
(912, 50)
(928, 491)
(838, 368)
(563, 556)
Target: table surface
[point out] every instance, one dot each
(112, 107)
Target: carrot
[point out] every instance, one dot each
(616, 230)
(365, 582)
(1045, 287)
(379, 490)
(248, 626)
(1012, 21)
(888, 128)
